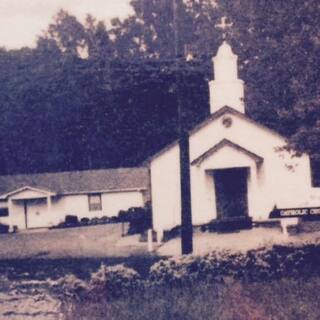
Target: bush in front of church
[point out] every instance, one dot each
(4, 228)
(69, 287)
(186, 269)
(256, 265)
(218, 267)
(108, 282)
(139, 218)
(113, 282)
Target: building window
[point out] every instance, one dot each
(95, 203)
(4, 212)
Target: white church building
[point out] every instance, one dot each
(236, 167)
(236, 170)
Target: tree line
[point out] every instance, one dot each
(87, 96)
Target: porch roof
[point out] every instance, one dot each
(27, 192)
(225, 142)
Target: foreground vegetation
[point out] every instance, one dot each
(279, 282)
(278, 299)
(274, 283)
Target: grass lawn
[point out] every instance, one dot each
(286, 299)
(242, 241)
(83, 242)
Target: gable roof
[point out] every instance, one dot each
(235, 112)
(212, 117)
(220, 145)
(74, 182)
(25, 188)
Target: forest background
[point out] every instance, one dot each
(88, 97)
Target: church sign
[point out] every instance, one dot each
(295, 212)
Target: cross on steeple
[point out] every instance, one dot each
(224, 26)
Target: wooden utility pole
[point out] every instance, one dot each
(186, 218)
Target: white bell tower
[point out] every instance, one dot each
(226, 89)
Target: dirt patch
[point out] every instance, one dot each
(28, 300)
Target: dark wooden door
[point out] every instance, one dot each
(231, 192)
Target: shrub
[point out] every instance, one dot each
(70, 287)
(139, 219)
(4, 228)
(185, 269)
(114, 219)
(172, 233)
(71, 220)
(230, 224)
(222, 267)
(256, 265)
(103, 220)
(113, 281)
(175, 271)
(84, 221)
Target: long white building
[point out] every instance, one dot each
(44, 200)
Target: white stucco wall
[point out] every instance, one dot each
(165, 189)
(281, 180)
(40, 216)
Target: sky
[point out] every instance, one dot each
(21, 21)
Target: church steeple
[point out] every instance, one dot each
(226, 89)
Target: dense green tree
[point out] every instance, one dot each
(68, 33)
(279, 46)
(278, 43)
(149, 32)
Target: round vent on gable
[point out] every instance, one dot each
(227, 122)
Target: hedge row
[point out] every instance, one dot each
(139, 220)
(256, 265)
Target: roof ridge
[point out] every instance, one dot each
(72, 171)
(67, 182)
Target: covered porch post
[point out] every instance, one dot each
(10, 206)
(49, 203)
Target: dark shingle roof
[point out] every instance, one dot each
(79, 181)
